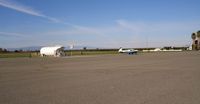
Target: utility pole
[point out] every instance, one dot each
(147, 41)
(71, 47)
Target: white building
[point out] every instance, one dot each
(56, 51)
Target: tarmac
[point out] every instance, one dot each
(146, 78)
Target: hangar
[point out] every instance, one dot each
(56, 51)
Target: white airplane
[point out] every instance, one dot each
(128, 51)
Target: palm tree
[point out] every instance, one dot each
(193, 36)
(198, 34)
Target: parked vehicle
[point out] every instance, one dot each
(128, 51)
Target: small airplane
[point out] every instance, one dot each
(128, 51)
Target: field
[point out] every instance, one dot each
(19, 54)
(90, 52)
(68, 53)
(146, 78)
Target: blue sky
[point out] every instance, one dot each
(98, 23)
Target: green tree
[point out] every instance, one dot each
(3, 50)
(84, 48)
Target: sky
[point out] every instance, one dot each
(98, 23)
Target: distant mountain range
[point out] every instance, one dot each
(35, 48)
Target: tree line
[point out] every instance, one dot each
(3, 50)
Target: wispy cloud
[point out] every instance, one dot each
(158, 26)
(30, 11)
(25, 9)
(127, 33)
(167, 33)
(8, 34)
(134, 27)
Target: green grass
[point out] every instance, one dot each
(85, 52)
(68, 53)
(20, 54)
